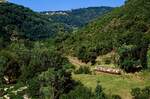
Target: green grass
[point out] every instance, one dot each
(116, 84)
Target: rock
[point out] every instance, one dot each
(108, 70)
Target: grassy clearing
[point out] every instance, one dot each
(116, 84)
(76, 62)
(113, 84)
(107, 60)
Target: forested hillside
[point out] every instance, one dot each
(124, 30)
(21, 22)
(29, 60)
(18, 21)
(77, 17)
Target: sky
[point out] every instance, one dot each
(55, 5)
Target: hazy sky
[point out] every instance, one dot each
(53, 5)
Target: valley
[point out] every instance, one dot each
(86, 53)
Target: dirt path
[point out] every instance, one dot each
(75, 61)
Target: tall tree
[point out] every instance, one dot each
(57, 77)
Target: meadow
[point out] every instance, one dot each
(115, 84)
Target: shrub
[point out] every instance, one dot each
(129, 65)
(131, 56)
(107, 61)
(80, 92)
(33, 88)
(116, 97)
(2, 91)
(83, 70)
(146, 91)
(99, 94)
(138, 93)
(86, 55)
(148, 56)
(12, 96)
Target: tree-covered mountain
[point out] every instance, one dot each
(77, 17)
(124, 30)
(18, 21)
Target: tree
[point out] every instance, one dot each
(57, 77)
(132, 58)
(99, 92)
(3, 61)
(9, 67)
(79, 92)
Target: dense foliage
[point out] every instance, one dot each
(36, 67)
(56, 78)
(83, 70)
(17, 22)
(82, 92)
(138, 93)
(44, 71)
(119, 28)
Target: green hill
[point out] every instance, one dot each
(21, 22)
(77, 17)
(124, 30)
(16, 20)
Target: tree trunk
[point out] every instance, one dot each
(143, 56)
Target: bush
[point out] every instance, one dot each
(80, 92)
(13, 96)
(138, 93)
(107, 61)
(33, 88)
(83, 70)
(1, 92)
(132, 56)
(129, 65)
(148, 56)
(86, 55)
(116, 97)
(99, 94)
